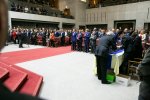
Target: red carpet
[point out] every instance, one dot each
(33, 54)
(3, 74)
(23, 80)
(16, 77)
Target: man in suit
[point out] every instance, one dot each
(62, 37)
(101, 53)
(74, 39)
(127, 45)
(79, 40)
(144, 74)
(21, 37)
(137, 46)
(87, 40)
(93, 41)
(56, 33)
(5, 93)
(43, 37)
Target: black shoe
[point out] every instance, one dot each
(99, 78)
(106, 82)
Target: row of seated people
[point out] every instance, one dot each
(26, 9)
(39, 9)
(40, 2)
(104, 3)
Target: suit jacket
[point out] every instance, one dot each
(74, 37)
(137, 47)
(57, 34)
(127, 44)
(63, 34)
(104, 45)
(144, 73)
(79, 36)
(87, 36)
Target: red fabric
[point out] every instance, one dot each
(27, 55)
(14, 34)
(17, 75)
(52, 36)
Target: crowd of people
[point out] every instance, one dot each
(34, 10)
(81, 40)
(99, 42)
(43, 7)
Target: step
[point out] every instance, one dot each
(4, 74)
(33, 83)
(16, 77)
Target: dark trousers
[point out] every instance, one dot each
(140, 98)
(20, 43)
(93, 47)
(62, 41)
(73, 45)
(101, 63)
(124, 65)
(52, 43)
(87, 46)
(44, 41)
(79, 43)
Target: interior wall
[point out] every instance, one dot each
(107, 15)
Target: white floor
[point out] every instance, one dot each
(70, 77)
(15, 47)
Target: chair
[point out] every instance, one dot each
(132, 67)
(66, 40)
(39, 40)
(57, 41)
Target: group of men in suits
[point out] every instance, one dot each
(31, 36)
(129, 41)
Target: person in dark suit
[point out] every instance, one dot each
(74, 39)
(87, 40)
(5, 93)
(79, 40)
(93, 41)
(137, 46)
(21, 37)
(127, 45)
(144, 74)
(56, 33)
(101, 53)
(43, 37)
(96, 32)
(62, 33)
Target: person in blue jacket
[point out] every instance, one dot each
(74, 39)
(87, 40)
(57, 34)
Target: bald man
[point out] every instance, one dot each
(5, 93)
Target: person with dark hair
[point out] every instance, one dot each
(93, 41)
(127, 45)
(87, 40)
(43, 33)
(147, 40)
(74, 39)
(79, 40)
(137, 46)
(62, 37)
(144, 74)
